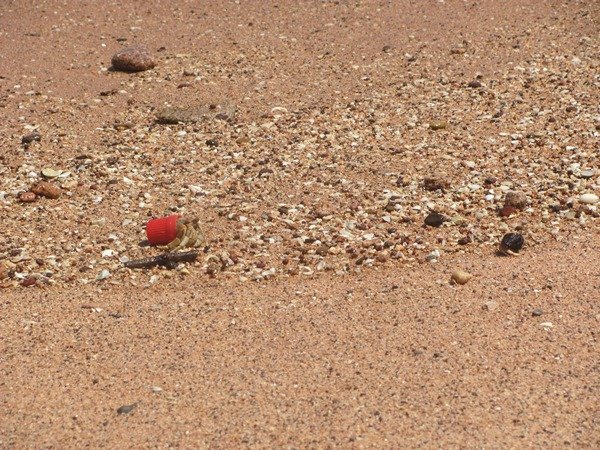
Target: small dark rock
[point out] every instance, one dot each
(474, 84)
(537, 312)
(434, 220)
(436, 181)
(507, 211)
(212, 143)
(31, 137)
(511, 243)
(126, 409)
(28, 281)
(133, 59)
(465, 240)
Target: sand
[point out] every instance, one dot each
(320, 313)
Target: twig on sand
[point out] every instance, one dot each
(168, 260)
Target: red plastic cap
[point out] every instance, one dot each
(162, 231)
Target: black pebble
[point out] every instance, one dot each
(537, 312)
(212, 143)
(434, 220)
(125, 409)
(474, 84)
(513, 242)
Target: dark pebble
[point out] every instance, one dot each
(29, 138)
(507, 211)
(513, 242)
(212, 143)
(29, 281)
(474, 84)
(434, 220)
(537, 312)
(125, 409)
(465, 240)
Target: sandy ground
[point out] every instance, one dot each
(326, 324)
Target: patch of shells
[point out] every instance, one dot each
(337, 188)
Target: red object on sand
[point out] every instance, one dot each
(162, 231)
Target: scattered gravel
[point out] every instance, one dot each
(340, 184)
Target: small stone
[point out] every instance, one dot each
(465, 240)
(537, 312)
(490, 306)
(589, 173)
(27, 197)
(133, 59)
(516, 200)
(507, 211)
(103, 275)
(436, 181)
(434, 220)
(433, 256)
(28, 281)
(31, 137)
(460, 276)
(46, 189)
(589, 199)
(474, 84)
(511, 243)
(546, 324)
(3, 271)
(125, 409)
(438, 125)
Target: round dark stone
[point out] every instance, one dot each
(537, 312)
(434, 220)
(513, 242)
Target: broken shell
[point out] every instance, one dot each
(589, 198)
(460, 276)
(51, 173)
(511, 243)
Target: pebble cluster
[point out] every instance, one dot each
(427, 165)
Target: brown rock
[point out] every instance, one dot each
(507, 211)
(438, 125)
(47, 189)
(516, 200)
(27, 197)
(28, 281)
(3, 271)
(436, 181)
(133, 59)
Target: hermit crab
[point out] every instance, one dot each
(189, 235)
(175, 233)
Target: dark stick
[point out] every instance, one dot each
(168, 260)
